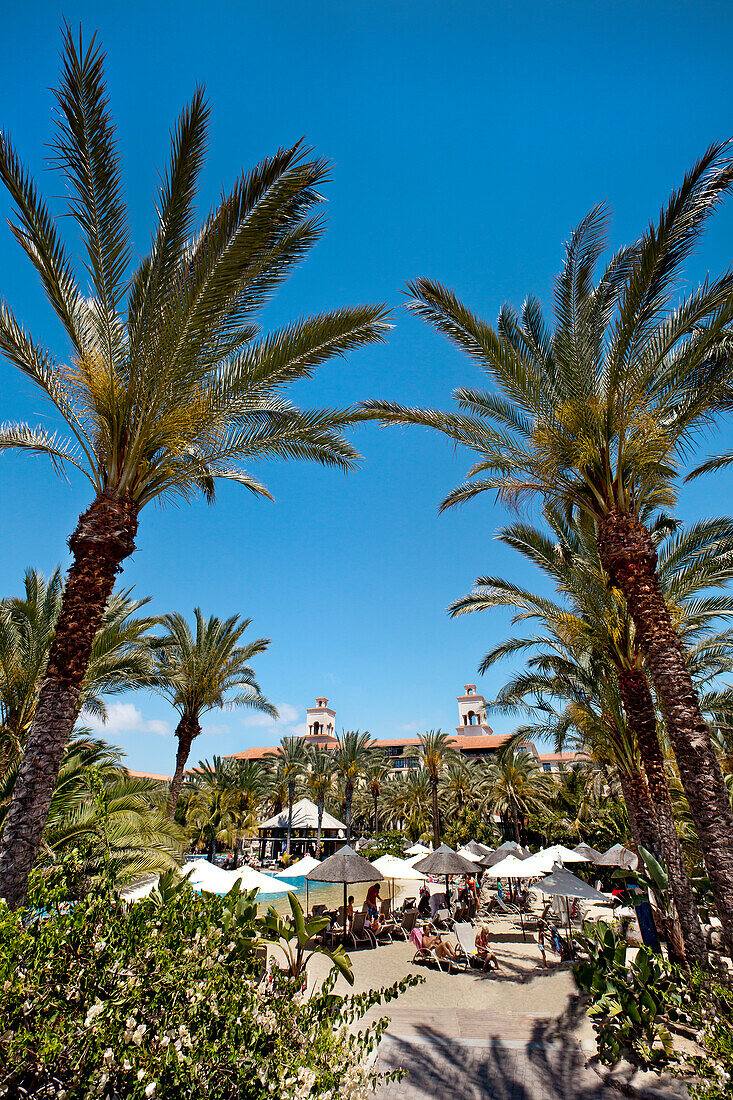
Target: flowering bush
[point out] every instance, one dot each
(166, 999)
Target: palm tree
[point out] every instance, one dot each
(595, 417)
(121, 656)
(376, 776)
(198, 671)
(246, 781)
(168, 385)
(409, 801)
(595, 623)
(114, 824)
(516, 786)
(210, 814)
(460, 782)
(435, 753)
(319, 778)
(292, 759)
(352, 756)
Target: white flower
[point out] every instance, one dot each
(127, 1064)
(164, 1042)
(137, 1035)
(96, 1010)
(150, 1089)
(130, 1023)
(140, 1074)
(109, 1056)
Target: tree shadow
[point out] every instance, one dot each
(550, 1065)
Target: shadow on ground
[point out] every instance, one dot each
(548, 1066)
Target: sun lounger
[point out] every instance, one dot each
(409, 903)
(359, 933)
(422, 952)
(407, 924)
(443, 919)
(466, 936)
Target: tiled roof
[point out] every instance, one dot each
(489, 741)
(149, 775)
(560, 757)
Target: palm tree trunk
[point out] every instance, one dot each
(376, 799)
(515, 822)
(639, 809)
(321, 801)
(291, 796)
(186, 730)
(629, 558)
(212, 849)
(349, 794)
(104, 537)
(642, 718)
(436, 811)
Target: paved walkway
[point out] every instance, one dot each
(464, 1055)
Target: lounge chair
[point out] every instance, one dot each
(443, 919)
(359, 934)
(409, 903)
(337, 929)
(422, 952)
(466, 937)
(407, 924)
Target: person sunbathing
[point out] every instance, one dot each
(483, 948)
(431, 941)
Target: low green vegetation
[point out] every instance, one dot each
(170, 997)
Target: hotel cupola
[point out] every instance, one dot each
(321, 724)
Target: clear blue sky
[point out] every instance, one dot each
(466, 138)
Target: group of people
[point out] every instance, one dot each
(433, 941)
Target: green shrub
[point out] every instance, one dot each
(638, 1008)
(164, 999)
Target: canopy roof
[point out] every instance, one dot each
(392, 867)
(202, 875)
(542, 862)
(509, 867)
(299, 869)
(444, 861)
(479, 849)
(418, 850)
(470, 854)
(255, 880)
(564, 884)
(346, 865)
(305, 816)
(618, 856)
(590, 854)
(511, 846)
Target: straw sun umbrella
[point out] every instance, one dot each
(345, 866)
(444, 861)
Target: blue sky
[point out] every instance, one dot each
(467, 139)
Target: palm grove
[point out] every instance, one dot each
(165, 382)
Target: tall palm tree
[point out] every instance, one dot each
(319, 777)
(516, 786)
(352, 756)
(292, 760)
(595, 417)
(594, 622)
(435, 753)
(199, 671)
(168, 385)
(376, 776)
